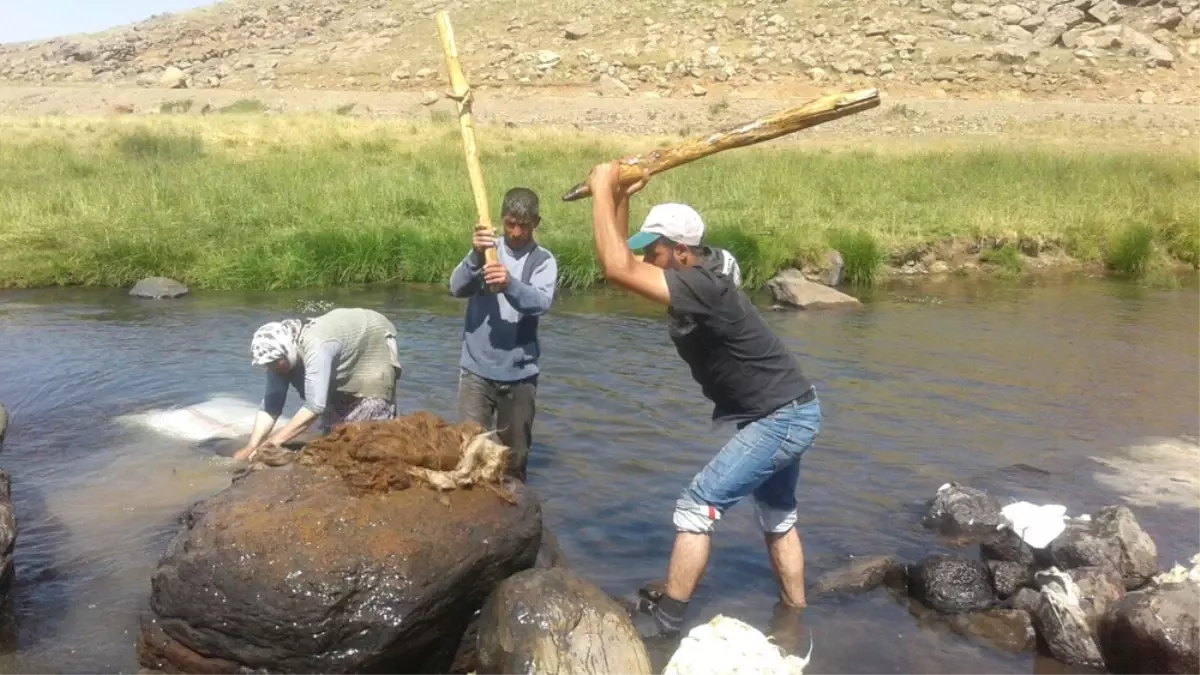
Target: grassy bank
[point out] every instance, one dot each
(251, 201)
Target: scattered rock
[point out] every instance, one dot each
(173, 78)
(699, 90)
(1106, 11)
(1147, 48)
(611, 86)
(157, 288)
(430, 98)
(828, 271)
(860, 576)
(1058, 21)
(578, 30)
(551, 621)
(951, 584)
(342, 560)
(790, 289)
(1154, 630)
(957, 510)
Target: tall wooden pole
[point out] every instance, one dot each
(462, 96)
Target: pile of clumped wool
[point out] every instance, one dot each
(1179, 573)
(727, 646)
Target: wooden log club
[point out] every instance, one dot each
(463, 97)
(817, 111)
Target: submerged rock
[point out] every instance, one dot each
(1154, 630)
(158, 287)
(957, 510)
(8, 532)
(790, 288)
(343, 560)
(951, 584)
(860, 576)
(552, 622)
(1004, 629)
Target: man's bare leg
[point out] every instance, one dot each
(688, 560)
(787, 561)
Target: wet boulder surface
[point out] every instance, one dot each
(960, 511)
(158, 288)
(1154, 630)
(332, 566)
(552, 622)
(951, 584)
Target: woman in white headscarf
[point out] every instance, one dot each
(342, 363)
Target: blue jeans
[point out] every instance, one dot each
(763, 460)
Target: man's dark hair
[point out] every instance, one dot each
(521, 203)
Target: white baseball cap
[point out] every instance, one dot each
(678, 222)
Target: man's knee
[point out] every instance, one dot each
(695, 516)
(775, 519)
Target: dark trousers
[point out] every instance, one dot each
(505, 406)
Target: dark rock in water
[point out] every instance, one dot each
(8, 531)
(1062, 623)
(290, 570)
(1154, 630)
(1007, 546)
(860, 576)
(951, 584)
(957, 511)
(551, 621)
(1004, 629)
(1008, 577)
(3, 423)
(158, 287)
(1112, 539)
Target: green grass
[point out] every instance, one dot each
(1007, 260)
(257, 202)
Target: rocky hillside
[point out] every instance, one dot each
(1139, 50)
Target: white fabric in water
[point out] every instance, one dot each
(727, 646)
(1036, 525)
(218, 417)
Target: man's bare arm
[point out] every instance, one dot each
(610, 230)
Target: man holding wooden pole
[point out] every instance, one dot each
(742, 367)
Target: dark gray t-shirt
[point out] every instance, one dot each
(739, 363)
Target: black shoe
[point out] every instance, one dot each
(789, 631)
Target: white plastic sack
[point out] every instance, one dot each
(1036, 525)
(727, 646)
(218, 417)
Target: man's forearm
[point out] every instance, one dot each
(263, 422)
(610, 233)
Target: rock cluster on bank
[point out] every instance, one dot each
(663, 48)
(1093, 596)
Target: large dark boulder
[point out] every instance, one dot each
(1154, 630)
(961, 511)
(324, 568)
(951, 584)
(1062, 623)
(552, 622)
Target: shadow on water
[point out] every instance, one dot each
(1016, 388)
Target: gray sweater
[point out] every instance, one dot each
(500, 336)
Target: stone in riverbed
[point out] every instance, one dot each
(951, 584)
(860, 576)
(158, 287)
(1062, 623)
(337, 562)
(1113, 538)
(1154, 630)
(957, 511)
(551, 621)
(789, 288)
(1005, 629)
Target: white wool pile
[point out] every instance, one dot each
(731, 647)
(1179, 573)
(1036, 525)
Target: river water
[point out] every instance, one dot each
(1034, 392)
